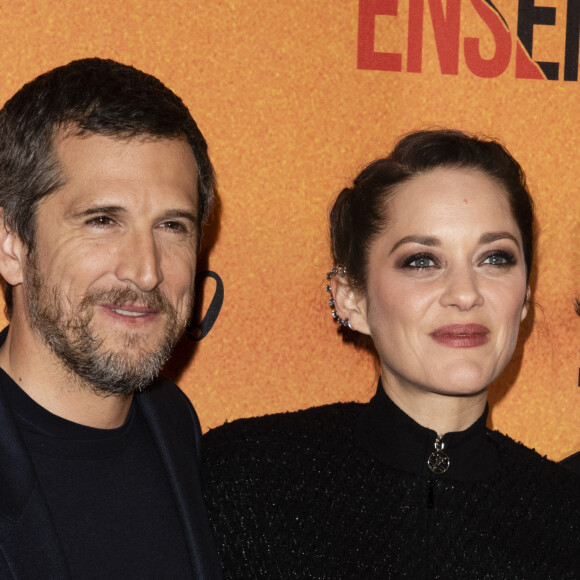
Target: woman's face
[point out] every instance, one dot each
(446, 284)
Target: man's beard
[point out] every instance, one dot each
(69, 335)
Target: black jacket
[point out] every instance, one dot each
(344, 492)
(573, 462)
(29, 546)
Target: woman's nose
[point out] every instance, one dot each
(461, 289)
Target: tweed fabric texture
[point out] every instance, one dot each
(295, 495)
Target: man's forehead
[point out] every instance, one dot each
(70, 139)
(109, 170)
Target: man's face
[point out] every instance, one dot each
(109, 284)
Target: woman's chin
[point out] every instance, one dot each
(463, 380)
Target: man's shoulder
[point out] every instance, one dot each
(166, 404)
(166, 393)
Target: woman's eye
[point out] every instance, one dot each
(419, 262)
(499, 259)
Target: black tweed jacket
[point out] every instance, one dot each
(344, 491)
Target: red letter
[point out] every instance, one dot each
(446, 29)
(415, 36)
(526, 68)
(367, 57)
(496, 65)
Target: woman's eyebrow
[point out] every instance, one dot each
(495, 236)
(423, 240)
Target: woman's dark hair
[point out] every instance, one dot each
(84, 97)
(360, 214)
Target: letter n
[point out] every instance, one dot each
(446, 29)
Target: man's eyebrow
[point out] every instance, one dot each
(96, 210)
(180, 213)
(117, 210)
(491, 237)
(423, 240)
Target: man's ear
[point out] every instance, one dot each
(526, 307)
(12, 254)
(350, 303)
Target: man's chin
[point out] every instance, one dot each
(121, 374)
(119, 365)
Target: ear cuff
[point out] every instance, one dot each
(338, 270)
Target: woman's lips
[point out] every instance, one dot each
(461, 335)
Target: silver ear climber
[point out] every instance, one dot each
(340, 271)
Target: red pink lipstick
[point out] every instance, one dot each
(461, 335)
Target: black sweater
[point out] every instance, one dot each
(344, 491)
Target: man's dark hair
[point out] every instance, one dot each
(84, 97)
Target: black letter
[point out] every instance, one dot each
(528, 16)
(572, 41)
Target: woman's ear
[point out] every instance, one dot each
(350, 304)
(12, 254)
(526, 306)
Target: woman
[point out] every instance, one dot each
(433, 247)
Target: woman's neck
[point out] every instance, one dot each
(443, 413)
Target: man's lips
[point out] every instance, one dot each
(461, 335)
(130, 310)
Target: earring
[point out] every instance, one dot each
(340, 271)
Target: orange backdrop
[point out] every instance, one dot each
(294, 99)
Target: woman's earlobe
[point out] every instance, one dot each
(527, 304)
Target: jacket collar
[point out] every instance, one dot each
(176, 432)
(395, 439)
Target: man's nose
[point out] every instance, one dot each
(140, 261)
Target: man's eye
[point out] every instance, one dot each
(174, 226)
(101, 220)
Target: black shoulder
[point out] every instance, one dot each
(167, 396)
(540, 473)
(286, 429)
(572, 463)
(261, 450)
(166, 405)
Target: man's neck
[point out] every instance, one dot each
(41, 375)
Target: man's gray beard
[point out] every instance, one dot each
(69, 336)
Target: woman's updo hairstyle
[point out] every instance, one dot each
(360, 212)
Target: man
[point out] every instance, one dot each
(105, 183)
